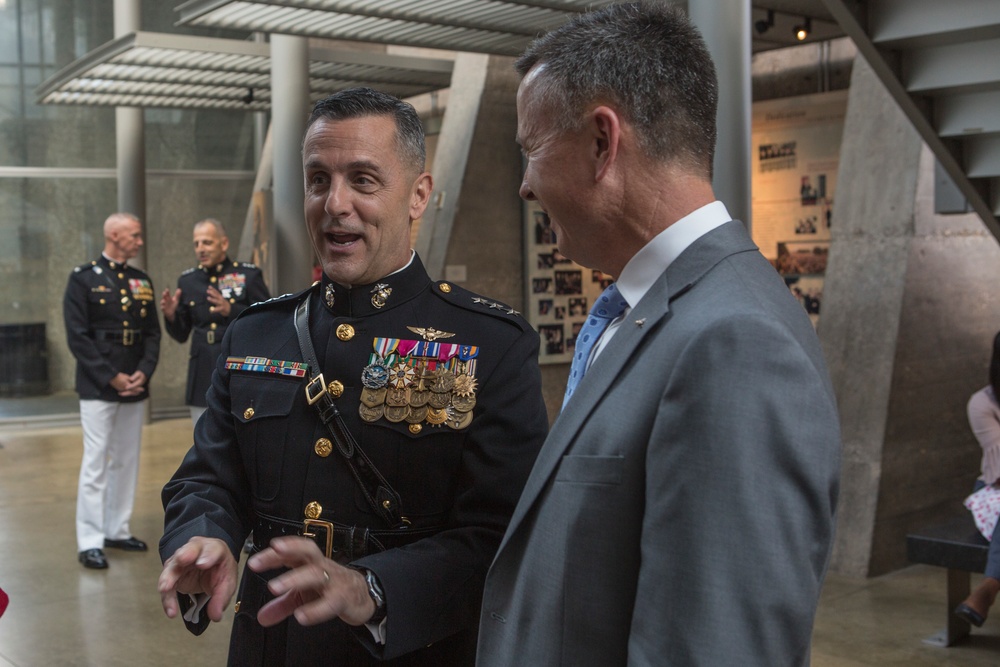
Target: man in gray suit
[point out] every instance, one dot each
(682, 508)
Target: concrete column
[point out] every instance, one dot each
(259, 118)
(289, 111)
(468, 81)
(725, 25)
(909, 313)
(130, 135)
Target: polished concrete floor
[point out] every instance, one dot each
(62, 615)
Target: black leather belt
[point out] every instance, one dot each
(124, 336)
(212, 336)
(337, 541)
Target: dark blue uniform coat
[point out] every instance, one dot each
(111, 327)
(258, 451)
(239, 282)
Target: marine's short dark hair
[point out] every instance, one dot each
(361, 102)
(644, 59)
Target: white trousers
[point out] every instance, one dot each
(112, 434)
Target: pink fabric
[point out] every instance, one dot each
(985, 507)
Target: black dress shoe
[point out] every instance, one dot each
(971, 615)
(130, 544)
(93, 559)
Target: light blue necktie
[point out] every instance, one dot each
(606, 308)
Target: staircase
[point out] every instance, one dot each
(940, 61)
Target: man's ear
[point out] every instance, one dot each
(607, 132)
(420, 195)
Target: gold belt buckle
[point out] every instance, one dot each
(315, 389)
(327, 526)
(210, 337)
(128, 337)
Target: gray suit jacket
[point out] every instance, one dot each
(682, 508)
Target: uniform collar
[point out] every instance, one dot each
(112, 264)
(385, 294)
(218, 268)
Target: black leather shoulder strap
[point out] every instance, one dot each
(378, 492)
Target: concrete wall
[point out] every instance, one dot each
(907, 326)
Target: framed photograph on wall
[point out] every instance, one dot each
(559, 291)
(801, 258)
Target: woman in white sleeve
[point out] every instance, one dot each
(984, 419)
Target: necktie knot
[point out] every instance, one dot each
(608, 306)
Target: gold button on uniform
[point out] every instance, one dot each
(323, 447)
(445, 287)
(416, 428)
(345, 332)
(213, 326)
(314, 510)
(336, 388)
(248, 413)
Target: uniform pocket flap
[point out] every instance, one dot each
(262, 396)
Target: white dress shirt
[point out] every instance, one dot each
(653, 259)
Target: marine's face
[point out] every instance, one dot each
(360, 198)
(210, 247)
(127, 238)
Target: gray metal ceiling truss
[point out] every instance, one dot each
(940, 61)
(503, 27)
(182, 71)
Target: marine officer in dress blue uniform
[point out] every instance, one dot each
(389, 419)
(113, 331)
(208, 297)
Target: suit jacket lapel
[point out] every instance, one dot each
(679, 277)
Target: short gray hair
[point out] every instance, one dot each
(644, 59)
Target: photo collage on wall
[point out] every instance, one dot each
(560, 292)
(797, 142)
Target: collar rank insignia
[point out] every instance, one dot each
(430, 333)
(380, 293)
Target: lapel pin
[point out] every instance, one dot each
(639, 323)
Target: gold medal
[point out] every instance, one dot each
(419, 398)
(416, 415)
(370, 413)
(396, 414)
(457, 420)
(439, 401)
(436, 416)
(396, 397)
(463, 403)
(465, 385)
(373, 397)
(444, 381)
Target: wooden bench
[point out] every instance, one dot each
(957, 546)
